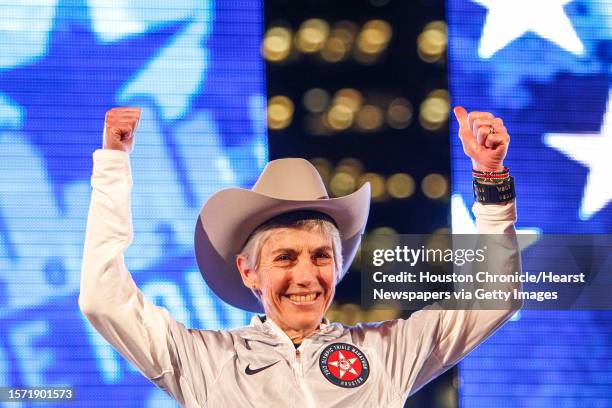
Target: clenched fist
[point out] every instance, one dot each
(120, 126)
(485, 139)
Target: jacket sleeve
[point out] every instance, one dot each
(420, 348)
(145, 334)
(458, 332)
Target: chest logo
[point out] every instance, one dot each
(344, 365)
(250, 371)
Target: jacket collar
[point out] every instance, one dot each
(265, 330)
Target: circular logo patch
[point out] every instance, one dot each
(344, 365)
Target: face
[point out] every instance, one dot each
(295, 277)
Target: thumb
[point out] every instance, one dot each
(465, 133)
(462, 117)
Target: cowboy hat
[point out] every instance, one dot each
(229, 216)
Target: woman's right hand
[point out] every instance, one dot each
(120, 126)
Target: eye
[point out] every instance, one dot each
(322, 257)
(284, 259)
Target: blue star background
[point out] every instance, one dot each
(57, 90)
(196, 71)
(543, 358)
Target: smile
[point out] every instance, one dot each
(303, 299)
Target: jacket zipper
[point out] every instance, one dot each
(300, 379)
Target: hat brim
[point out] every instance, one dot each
(230, 216)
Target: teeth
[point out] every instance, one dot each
(303, 298)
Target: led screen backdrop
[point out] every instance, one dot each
(195, 69)
(545, 68)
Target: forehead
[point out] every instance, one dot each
(295, 238)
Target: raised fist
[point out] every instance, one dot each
(485, 139)
(120, 126)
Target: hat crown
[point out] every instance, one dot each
(291, 179)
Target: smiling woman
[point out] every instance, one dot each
(280, 248)
(296, 273)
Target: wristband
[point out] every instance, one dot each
(494, 193)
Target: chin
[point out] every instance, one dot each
(305, 320)
(306, 323)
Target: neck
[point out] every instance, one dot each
(297, 335)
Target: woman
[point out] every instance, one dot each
(280, 248)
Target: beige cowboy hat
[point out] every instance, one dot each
(229, 217)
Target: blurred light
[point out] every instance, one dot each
(382, 238)
(440, 93)
(349, 97)
(346, 31)
(377, 185)
(316, 124)
(442, 231)
(445, 396)
(340, 117)
(342, 184)
(379, 238)
(434, 110)
(366, 59)
(312, 35)
(369, 117)
(334, 50)
(315, 100)
(324, 167)
(350, 165)
(389, 312)
(434, 186)
(340, 42)
(351, 314)
(400, 185)
(280, 112)
(343, 313)
(374, 37)
(437, 242)
(399, 113)
(432, 41)
(277, 44)
(333, 313)
(387, 231)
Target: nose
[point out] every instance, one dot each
(305, 272)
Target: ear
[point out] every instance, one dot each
(249, 276)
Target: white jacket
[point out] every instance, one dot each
(258, 365)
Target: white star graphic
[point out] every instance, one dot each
(464, 224)
(508, 20)
(593, 151)
(344, 364)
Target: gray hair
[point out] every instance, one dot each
(252, 249)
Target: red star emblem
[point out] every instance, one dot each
(344, 365)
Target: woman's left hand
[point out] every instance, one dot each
(485, 139)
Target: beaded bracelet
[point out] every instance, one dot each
(504, 171)
(491, 180)
(491, 176)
